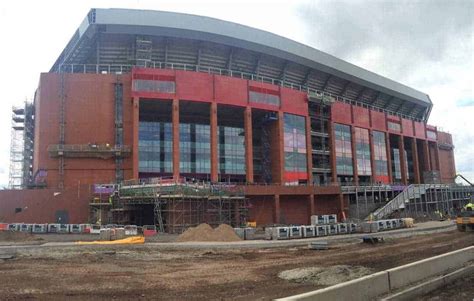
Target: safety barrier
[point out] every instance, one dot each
(386, 282)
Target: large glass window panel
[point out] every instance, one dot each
(295, 143)
(155, 147)
(231, 150)
(342, 136)
(364, 166)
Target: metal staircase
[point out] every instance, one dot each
(431, 192)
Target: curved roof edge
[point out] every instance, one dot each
(229, 33)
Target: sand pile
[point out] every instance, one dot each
(17, 236)
(204, 232)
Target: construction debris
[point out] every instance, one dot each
(204, 232)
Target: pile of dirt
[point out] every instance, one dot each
(18, 236)
(325, 276)
(204, 232)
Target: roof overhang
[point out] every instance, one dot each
(146, 22)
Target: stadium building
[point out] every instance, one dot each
(200, 119)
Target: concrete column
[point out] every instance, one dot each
(175, 120)
(309, 151)
(403, 167)
(214, 150)
(276, 211)
(312, 207)
(332, 142)
(426, 156)
(276, 150)
(248, 144)
(135, 126)
(389, 157)
(354, 156)
(416, 165)
(436, 155)
(372, 155)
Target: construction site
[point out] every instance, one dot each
(222, 153)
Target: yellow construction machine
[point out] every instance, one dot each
(465, 220)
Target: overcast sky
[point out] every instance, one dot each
(427, 45)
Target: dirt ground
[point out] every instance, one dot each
(145, 273)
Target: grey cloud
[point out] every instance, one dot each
(421, 31)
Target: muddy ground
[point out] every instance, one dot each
(146, 273)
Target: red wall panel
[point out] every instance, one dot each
(326, 204)
(407, 127)
(229, 90)
(341, 113)
(294, 210)
(269, 87)
(378, 120)
(420, 131)
(194, 86)
(89, 113)
(361, 116)
(261, 210)
(293, 101)
(40, 206)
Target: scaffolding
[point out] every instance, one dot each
(176, 206)
(320, 113)
(17, 148)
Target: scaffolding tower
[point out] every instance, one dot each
(17, 148)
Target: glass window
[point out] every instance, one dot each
(364, 166)
(231, 150)
(265, 98)
(380, 154)
(195, 148)
(155, 147)
(431, 135)
(294, 128)
(396, 167)
(161, 86)
(394, 126)
(342, 136)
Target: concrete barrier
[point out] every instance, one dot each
(364, 288)
(424, 288)
(430, 267)
(385, 282)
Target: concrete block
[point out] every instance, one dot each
(332, 219)
(361, 289)
(342, 228)
(295, 232)
(40, 228)
(105, 234)
(280, 233)
(309, 231)
(240, 232)
(119, 233)
(321, 230)
(319, 219)
(269, 233)
(249, 233)
(75, 228)
(53, 228)
(417, 271)
(332, 229)
(26, 228)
